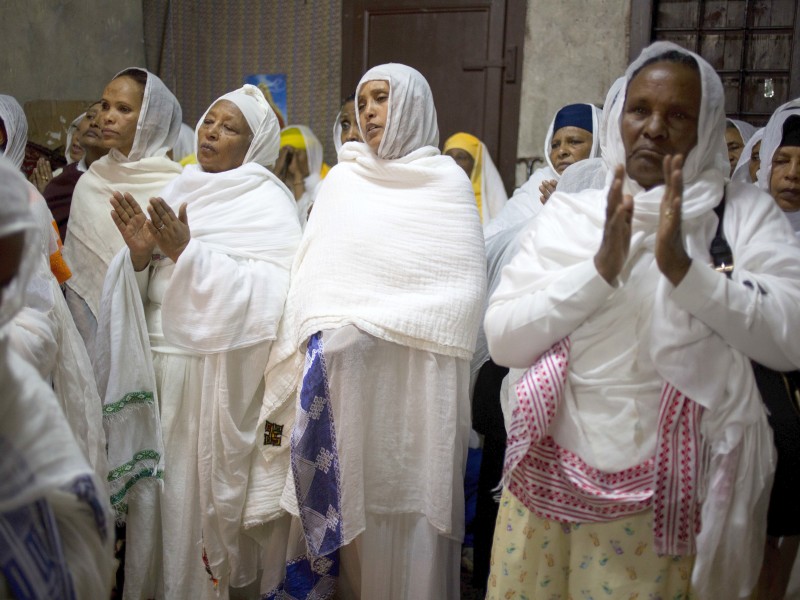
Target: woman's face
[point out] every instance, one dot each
(784, 181)
(348, 123)
(568, 146)
(373, 107)
(223, 138)
(735, 145)
(119, 113)
(755, 161)
(463, 159)
(660, 116)
(90, 136)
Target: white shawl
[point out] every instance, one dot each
(393, 247)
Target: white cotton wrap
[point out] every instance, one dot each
(393, 247)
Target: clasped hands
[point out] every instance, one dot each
(163, 229)
(670, 253)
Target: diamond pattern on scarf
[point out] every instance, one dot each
(315, 468)
(31, 557)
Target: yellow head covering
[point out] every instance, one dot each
(472, 145)
(292, 136)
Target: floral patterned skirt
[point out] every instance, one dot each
(537, 559)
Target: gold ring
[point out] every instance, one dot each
(668, 213)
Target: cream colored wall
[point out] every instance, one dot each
(67, 49)
(574, 50)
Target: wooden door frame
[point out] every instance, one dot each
(509, 27)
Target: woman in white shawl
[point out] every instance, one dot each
(139, 119)
(640, 354)
(56, 532)
(573, 135)
(345, 128)
(381, 424)
(188, 320)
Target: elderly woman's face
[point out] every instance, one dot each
(373, 106)
(659, 118)
(568, 146)
(119, 113)
(223, 138)
(735, 145)
(784, 181)
(348, 123)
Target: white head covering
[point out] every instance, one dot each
(16, 125)
(313, 147)
(711, 151)
(597, 116)
(159, 121)
(745, 129)
(73, 127)
(591, 173)
(15, 217)
(773, 133)
(186, 143)
(742, 170)
(261, 120)
(410, 97)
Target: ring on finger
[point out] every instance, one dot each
(160, 227)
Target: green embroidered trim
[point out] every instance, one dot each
(130, 398)
(129, 466)
(117, 498)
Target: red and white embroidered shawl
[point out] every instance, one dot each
(557, 484)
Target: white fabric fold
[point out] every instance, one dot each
(742, 171)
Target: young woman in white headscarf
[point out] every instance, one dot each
(56, 531)
(639, 458)
(573, 135)
(139, 121)
(190, 308)
(386, 294)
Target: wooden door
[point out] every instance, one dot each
(470, 51)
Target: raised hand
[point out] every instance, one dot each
(546, 188)
(41, 175)
(132, 225)
(613, 252)
(670, 253)
(171, 232)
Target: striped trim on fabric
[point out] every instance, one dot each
(116, 499)
(557, 484)
(144, 455)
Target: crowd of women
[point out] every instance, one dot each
(268, 371)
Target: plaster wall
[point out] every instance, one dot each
(67, 49)
(574, 50)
